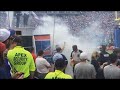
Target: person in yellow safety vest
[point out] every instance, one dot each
(58, 74)
(20, 59)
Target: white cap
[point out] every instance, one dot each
(83, 56)
(4, 34)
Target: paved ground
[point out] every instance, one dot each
(69, 69)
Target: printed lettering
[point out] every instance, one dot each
(20, 59)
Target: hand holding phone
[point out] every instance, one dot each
(18, 75)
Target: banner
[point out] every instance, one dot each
(42, 42)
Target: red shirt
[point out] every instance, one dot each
(2, 47)
(34, 56)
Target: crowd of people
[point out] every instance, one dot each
(18, 63)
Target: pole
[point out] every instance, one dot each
(116, 15)
(53, 32)
(8, 20)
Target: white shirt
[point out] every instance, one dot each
(42, 65)
(76, 55)
(111, 72)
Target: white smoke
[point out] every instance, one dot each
(10, 18)
(87, 42)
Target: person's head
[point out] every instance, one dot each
(95, 55)
(17, 41)
(56, 46)
(2, 49)
(40, 53)
(103, 48)
(113, 58)
(6, 36)
(58, 49)
(117, 51)
(83, 57)
(74, 47)
(118, 63)
(60, 64)
(110, 44)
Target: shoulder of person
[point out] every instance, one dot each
(80, 51)
(107, 66)
(63, 55)
(27, 51)
(72, 53)
(50, 75)
(37, 58)
(9, 51)
(55, 55)
(77, 65)
(44, 59)
(68, 76)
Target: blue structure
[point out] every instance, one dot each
(117, 37)
(43, 42)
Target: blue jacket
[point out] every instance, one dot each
(3, 74)
(5, 70)
(7, 66)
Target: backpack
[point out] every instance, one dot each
(73, 51)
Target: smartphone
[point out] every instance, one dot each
(22, 74)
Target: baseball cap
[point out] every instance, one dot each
(59, 63)
(12, 32)
(2, 47)
(17, 39)
(4, 34)
(113, 57)
(84, 56)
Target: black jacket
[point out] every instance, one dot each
(104, 57)
(95, 64)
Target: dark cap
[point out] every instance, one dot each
(17, 39)
(12, 32)
(113, 58)
(60, 63)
